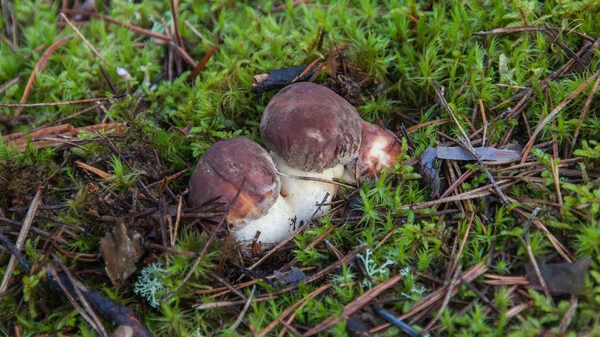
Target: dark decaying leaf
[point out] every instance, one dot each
(294, 276)
(430, 173)
(486, 153)
(356, 328)
(561, 278)
(120, 252)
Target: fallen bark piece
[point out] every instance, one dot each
(120, 252)
(279, 78)
(561, 278)
(485, 153)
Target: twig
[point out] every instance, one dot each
(584, 111)
(133, 28)
(21, 238)
(454, 282)
(553, 114)
(530, 252)
(84, 39)
(238, 321)
(94, 321)
(354, 306)
(77, 101)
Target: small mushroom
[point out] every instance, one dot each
(259, 206)
(311, 132)
(379, 150)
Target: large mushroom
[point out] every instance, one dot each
(259, 206)
(311, 132)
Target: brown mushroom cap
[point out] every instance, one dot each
(311, 127)
(221, 170)
(379, 149)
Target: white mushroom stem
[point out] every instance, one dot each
(274, 226)
(305, 196)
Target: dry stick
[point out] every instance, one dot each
(530, 253)
(530, 29)
(174, 10)
(208, 242)
(568, 317)
(74, 303)
(468, 276)
(454, 263)
(77, 101)
(465, 142)
(133, 28)
(38, 68)
(8, 43)
(227, 285)
(195, 31)
(586, 108)
(21, 238)
(553, 114)
(238, 321)
(354, 306)
(84, 39)
(453, 283)
(473, 194)
(34, 230)
(9, 84)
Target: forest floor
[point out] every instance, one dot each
(106, 106)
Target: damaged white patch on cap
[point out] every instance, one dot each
(377, 157)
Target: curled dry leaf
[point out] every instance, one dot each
(120, 252)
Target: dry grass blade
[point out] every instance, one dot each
(21, 238)
(133, 28)
(553, 114)
(447, 298)
(583, 115)
(353, 307)
(473, 194)
(84, 39)
(38, 68)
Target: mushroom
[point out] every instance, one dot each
(259, 207)
(311, 132)
(379, 150)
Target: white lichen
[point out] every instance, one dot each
(149, 284)
(372, 267)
